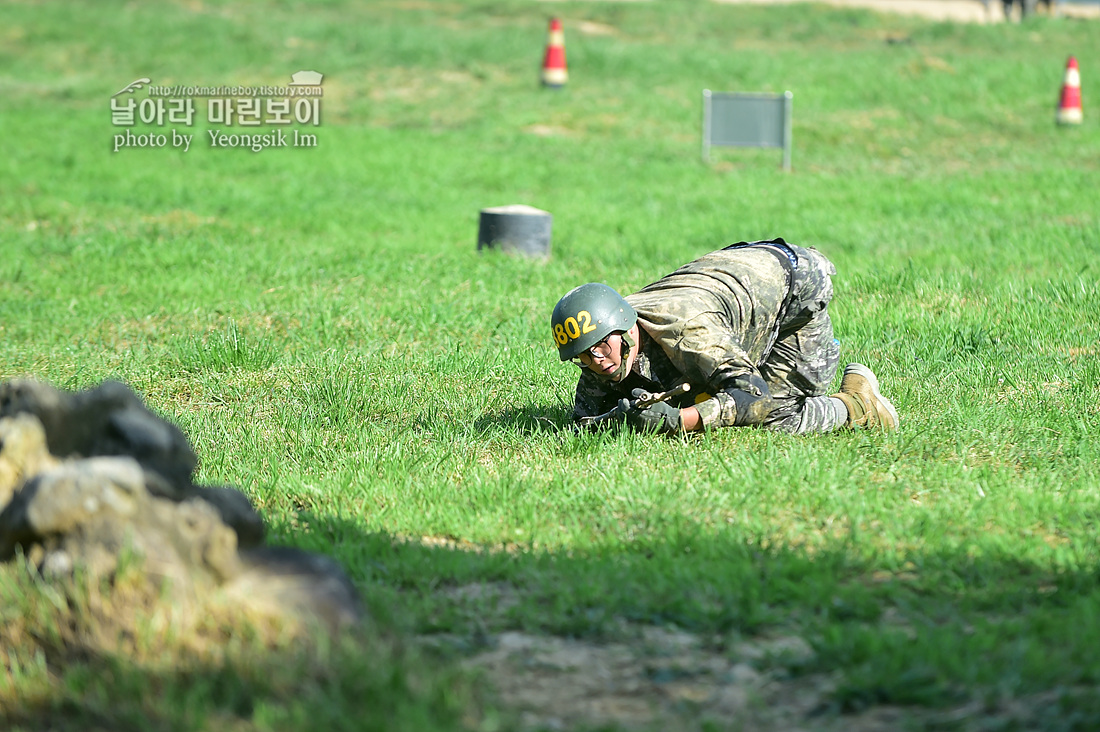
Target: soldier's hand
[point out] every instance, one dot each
(660, 417)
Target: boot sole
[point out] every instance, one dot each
(883, 402)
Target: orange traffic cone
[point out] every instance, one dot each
(1069, 106)
(554, 73)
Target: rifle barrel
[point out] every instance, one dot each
(647, 399)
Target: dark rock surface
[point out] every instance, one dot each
(90, 477)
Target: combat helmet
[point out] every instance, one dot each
(586, 315)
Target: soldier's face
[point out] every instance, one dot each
(605, 365)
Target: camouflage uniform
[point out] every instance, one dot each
(748, 328)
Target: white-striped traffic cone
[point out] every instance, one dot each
(1069, 104)
(554, 72)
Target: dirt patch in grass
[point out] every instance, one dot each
(962, 11)
(664, 678)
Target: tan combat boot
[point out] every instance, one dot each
(866, 407)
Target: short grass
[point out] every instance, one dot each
(321, 325)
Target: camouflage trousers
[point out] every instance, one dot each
(802, 362)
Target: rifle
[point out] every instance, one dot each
(645, 400)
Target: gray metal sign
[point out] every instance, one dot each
(747, 120)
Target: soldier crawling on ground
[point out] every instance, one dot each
(747, 328)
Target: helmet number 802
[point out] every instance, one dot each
(571, 330)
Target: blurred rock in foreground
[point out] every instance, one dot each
(91, 479)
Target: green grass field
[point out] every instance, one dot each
(319, 322)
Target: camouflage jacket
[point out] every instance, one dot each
(710, 323)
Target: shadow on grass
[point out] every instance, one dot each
(945, 631)
(529, 420)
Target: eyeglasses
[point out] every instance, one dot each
(601, 350)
